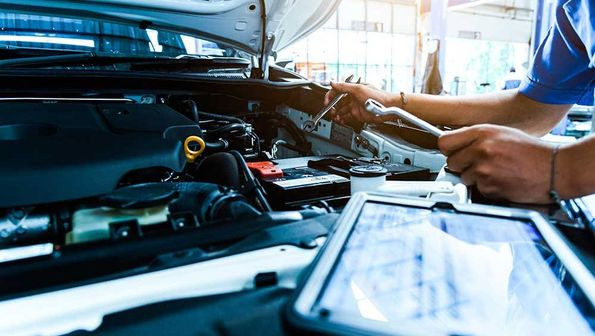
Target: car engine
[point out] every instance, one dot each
(83, 170)
(100, 184)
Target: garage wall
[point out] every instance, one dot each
(490, 28)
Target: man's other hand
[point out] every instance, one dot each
(504, 163)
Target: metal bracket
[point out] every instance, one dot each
(262, 71)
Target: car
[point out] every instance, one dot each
(155, 177)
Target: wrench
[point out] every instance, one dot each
(379, 110)
(311, 125)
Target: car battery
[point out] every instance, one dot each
(265, 169)
(290, 183)
(340, 165)
(300, 184)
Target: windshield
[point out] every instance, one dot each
(45, 32)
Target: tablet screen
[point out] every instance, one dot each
(458, 273)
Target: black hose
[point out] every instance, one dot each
(216, 146)
(251, 182)
(301, 142)
(198, 115)
(230, 119)
(193, 109)
(227, 129)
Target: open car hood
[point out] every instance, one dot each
(237, 23)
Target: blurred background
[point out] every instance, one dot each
(387, 43)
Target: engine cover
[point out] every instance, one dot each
(64, 151)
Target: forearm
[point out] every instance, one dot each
(575, 169)
(508, 108)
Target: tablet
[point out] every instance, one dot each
(407, 266)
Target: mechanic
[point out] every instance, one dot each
(497, 149)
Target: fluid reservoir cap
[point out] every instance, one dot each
(368, 171)
(140, 196)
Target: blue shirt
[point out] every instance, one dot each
(563, 70)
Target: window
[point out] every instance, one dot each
(379, 17)
(359, 40)
(351, 13)
(404, 19)
(484, 66)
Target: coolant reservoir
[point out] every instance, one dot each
(94, 224)
(367, 178)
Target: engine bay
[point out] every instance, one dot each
(117, 182)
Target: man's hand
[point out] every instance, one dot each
(353, 109)
(503, 163)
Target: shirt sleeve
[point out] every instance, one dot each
(561, 72)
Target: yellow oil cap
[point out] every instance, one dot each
(192, 155)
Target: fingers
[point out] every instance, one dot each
(344, 109)
(337, 88)
(344, 102)
(458, 139)
(347, 113)
(486, 188)
(477, 174)
(468, 177)
(462, 159)
(329, 96)
(463, 150)
(362, 114)
(346, 87)
(354, 102)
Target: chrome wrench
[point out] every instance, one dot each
(311, 125)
